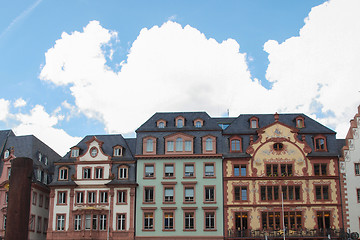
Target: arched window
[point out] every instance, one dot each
(6, 154)
(179, 145)
(161, 125)
(320, 143)
(149, 145)
(235, 145)
(209, 144)
(179, 123)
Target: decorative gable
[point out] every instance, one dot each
(94, 151)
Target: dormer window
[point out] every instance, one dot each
(161, 123)
(179, 143)
(254, 122)
(63, 173)
(198, 123)
(39, 156)
(117, 151)
(46, 161)
(180, 122)
(209, 144)
(149, 145)
(300, 122)
(94, 152)
(320, 143)
(235, 144)
(6, 154)
(74, 152)
(123, 172)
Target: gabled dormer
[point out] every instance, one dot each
(254, 122)
(94, 151)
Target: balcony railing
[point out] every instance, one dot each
(279, 234)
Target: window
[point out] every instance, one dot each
(79, 197)
(149, 194)
(45, 226)
(180, 123)
(123, 172)
(209, 220)
(94, 222)
(102, 225)
(179, 145)
(168, 221)
(291, 192)
(170, 146)
(41, 200)
(300, 122)
(240, 193)
(254, 122)
(286, 170)
(270, 220)
(149, 145)
(4, 221)
(188, 146)
(77, 223)
(61, 197)
(198, 124)
(148, 220)
(99, 173)
(189, 220)
(322, 192)
(358, 195)
(320, 143)
(209, 170)
(235, 145)
(63, 173)
(7, 198)
(74, 152)
(169, 194)
(6, 154)
(269, 193)
(91, 197)
(121, 196)
(94, 152)
(60, 222)
(46, 161)
(271, 170)
(9, 172)
(189, 194)
(86, 173)
(320, 169)
(45, 179)
(39, 156)
(323, 219)
(209, 194)
(169, 170)
(161, 125)
(121, 222)
(117, 152)
(38, 226)
(87, 221)
(149, 171)
(46, 202)
(209, 144)
(189, 170)
(241, 220)
(239, 170)
(357, 168)
(278, 147)
(32, 223)
(103, 197)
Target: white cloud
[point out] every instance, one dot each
(169, 68)
(175, 68)
(19, 103)
(42, 125)
(321, 66)
(4, 109)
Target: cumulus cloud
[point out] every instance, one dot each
(19, 103)
(42, 125)
(318, 71)
(4, 109)
(168, 68)
(176, 68)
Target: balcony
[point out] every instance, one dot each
(289, 234)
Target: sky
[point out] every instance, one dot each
(73, 68)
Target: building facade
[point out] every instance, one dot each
(350, 169)
(43, 157)
(281, 172)
(93, 192)
(179, 172)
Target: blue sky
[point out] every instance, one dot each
(139, 57)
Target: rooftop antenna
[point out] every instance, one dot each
(228, 112)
